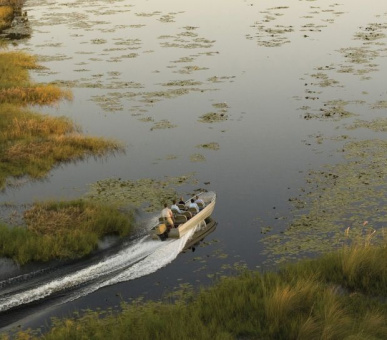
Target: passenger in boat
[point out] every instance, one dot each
(181, 201)
(175, 207)
(193, 205)
(199, 202)
(167, 214)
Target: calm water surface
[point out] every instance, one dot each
(134, 64)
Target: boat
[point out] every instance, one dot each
(182, 223)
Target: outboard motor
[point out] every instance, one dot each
(162, 231)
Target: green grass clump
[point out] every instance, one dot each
(301, 301)
(61, 230)
(359, 268)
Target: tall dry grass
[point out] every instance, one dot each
(6, 16)
(250, 306)
(19, 125)
(32, 144)
(15, 84)
(360, 267)
(36, 95)
(14, 3)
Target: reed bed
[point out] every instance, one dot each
(359, 267)
(62, 230)
(6, 17)
(301, 301)
(32, 144)
(38, 95)
(15, 84)
(14, 3)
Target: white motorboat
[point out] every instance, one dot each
(184, 224)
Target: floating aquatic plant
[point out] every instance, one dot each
(147, 193)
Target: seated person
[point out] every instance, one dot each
(175, 207)
(181, 201)
(167, 214)
(193, 205)
(199, 200)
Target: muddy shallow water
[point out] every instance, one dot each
(245, 96)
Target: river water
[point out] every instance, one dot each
(146, 73)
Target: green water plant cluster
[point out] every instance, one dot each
(340, 204)
(146, 193)
(62, 230)
(338, 296)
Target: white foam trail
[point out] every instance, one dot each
(142, 258)
(158, 259)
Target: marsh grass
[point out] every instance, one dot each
(36, 94)
(62, 230)
(14, 3)
(301, 301)
(6, 16)
(356, 268)
(31, 144)
(16, 86)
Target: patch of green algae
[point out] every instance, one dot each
(376, 125)
(197, 157)
(210, 146)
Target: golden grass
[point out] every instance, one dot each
(36, 157)
(6, 16)
(28, 125)
(285, 305)
(18, 59)
(37, 95)
(15, 85)
(14, 3)
(32, 144)
(282, 301)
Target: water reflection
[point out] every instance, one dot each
(200, 235)
(146, 72)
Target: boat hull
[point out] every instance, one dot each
(182, 229)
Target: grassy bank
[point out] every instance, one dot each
(31, 144)
(339, 296)
(6, 16)
(58, 230)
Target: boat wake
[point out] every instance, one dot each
(137, 259)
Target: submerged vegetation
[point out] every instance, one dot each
(339, 205)
(62, 230)
(147, 194)
(340, 295)
(31, 144)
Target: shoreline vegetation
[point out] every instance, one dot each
(6, 16)
(62, 230)
(31, 145)
(339, 295)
